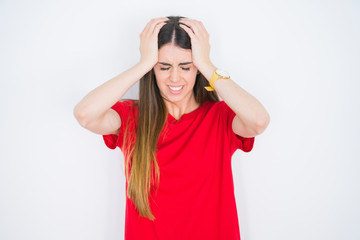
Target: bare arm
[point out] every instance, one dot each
(251, 117)
(94, 111)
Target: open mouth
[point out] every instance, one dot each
(176, 88)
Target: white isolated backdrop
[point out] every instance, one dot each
(301, 59)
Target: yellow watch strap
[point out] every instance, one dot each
(209, 89)
(212, 81)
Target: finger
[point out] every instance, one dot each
(197, 27)
(188, 23)
(188, 30)
(191, 23)
(146, 27)
(152, 24)
(157, 28)
(203, 29)
(149, 28)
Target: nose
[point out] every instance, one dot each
(174, 75)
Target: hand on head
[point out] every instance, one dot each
(199, 40)
(195, 29)
(149, 41)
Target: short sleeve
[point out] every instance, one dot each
(124, 109)
(237, 142)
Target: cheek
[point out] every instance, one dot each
(192, 75)
(160, 76)
(160, 80)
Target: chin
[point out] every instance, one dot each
(176, 98)
(173, 99)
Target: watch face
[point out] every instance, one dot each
(222, 73)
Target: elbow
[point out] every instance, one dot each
(81, 115)
(262, 124)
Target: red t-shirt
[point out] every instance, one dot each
(195, 199)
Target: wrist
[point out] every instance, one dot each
(145, 66)
(207, 70)
(218, 74)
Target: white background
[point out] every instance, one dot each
(301, 59)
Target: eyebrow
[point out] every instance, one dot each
(168, 64)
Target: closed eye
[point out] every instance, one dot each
(164, 69)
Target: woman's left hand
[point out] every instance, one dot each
(199, 41)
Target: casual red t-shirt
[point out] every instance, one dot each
(195, 198)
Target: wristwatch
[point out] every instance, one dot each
(217, 74)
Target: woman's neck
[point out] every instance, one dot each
(177, 109)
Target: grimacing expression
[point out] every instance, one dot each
(175, 73)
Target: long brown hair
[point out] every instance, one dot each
(140, 157)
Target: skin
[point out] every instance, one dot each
(175, 69)
(94, 111)
(251, 117)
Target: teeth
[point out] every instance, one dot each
(175, 88)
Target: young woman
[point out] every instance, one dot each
(178, 138)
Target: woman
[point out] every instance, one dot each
(178, 138)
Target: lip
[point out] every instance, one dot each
(176, 91)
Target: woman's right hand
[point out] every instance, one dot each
(149, 41)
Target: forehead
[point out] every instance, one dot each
(170, 53)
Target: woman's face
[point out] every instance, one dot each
(175, 73)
